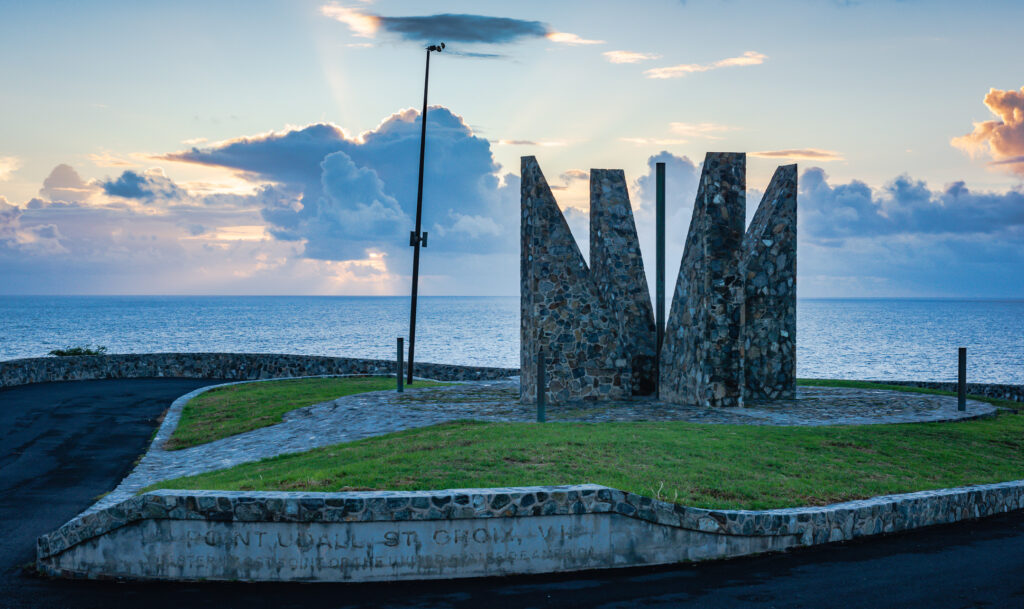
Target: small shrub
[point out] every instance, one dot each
(86, 350)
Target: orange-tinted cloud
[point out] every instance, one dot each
(528, 142)
(811, 154)
(64, 184)
(570, 39)
(702, 130)
(362, 24)
(1002, 139)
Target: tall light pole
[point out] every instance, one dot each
(416, 238)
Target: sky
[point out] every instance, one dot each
(271, 147)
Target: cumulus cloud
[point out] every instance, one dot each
(55, 247)
(907, 239)
(147, 186)
(9, 215)
(681, 175)
(64, 184)
(8, 165)
(811, 154)
(343, 195)
(353, 215)
(629, 56)
(681, 178)
(325, 212)
(449, 27)
(750, 58)
(288, 156)
(832, 213)
(31, 238)
(1002, 139)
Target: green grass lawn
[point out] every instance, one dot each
(236, 409)
(719, 466)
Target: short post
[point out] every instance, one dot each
(398, 371)
(961, 381)
(541, 388)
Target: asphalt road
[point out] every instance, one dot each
(61, 444)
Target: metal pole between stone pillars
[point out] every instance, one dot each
(541, 388)
(398, 369)
(961, 380)
(659, 273)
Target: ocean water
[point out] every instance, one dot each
(856, 338)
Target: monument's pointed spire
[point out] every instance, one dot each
(701, 360)
(617, 269)
(541, 215)
(562, 312)
(769, 284)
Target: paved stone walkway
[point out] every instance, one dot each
(381, 412)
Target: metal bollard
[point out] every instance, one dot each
(398, 372)
(961, 380)
(541, 388)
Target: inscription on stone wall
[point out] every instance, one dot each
(342, 551)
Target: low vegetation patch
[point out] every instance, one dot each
(713, 466)
(236, 409)
(86, 350)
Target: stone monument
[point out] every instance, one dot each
(731, 330)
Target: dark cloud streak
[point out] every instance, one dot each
(463, 28)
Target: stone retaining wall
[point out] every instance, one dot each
(252, 366)
(989, 390)
(229, 366)
(373, 536)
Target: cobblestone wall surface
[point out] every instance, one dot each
(230, 366)
(617, 268)
(562, 311)
(701, 358)
(769, 287)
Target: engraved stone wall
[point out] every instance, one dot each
(617, 268)
(373, 536)
(701, 357)
(562, 311)
(769, 284)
